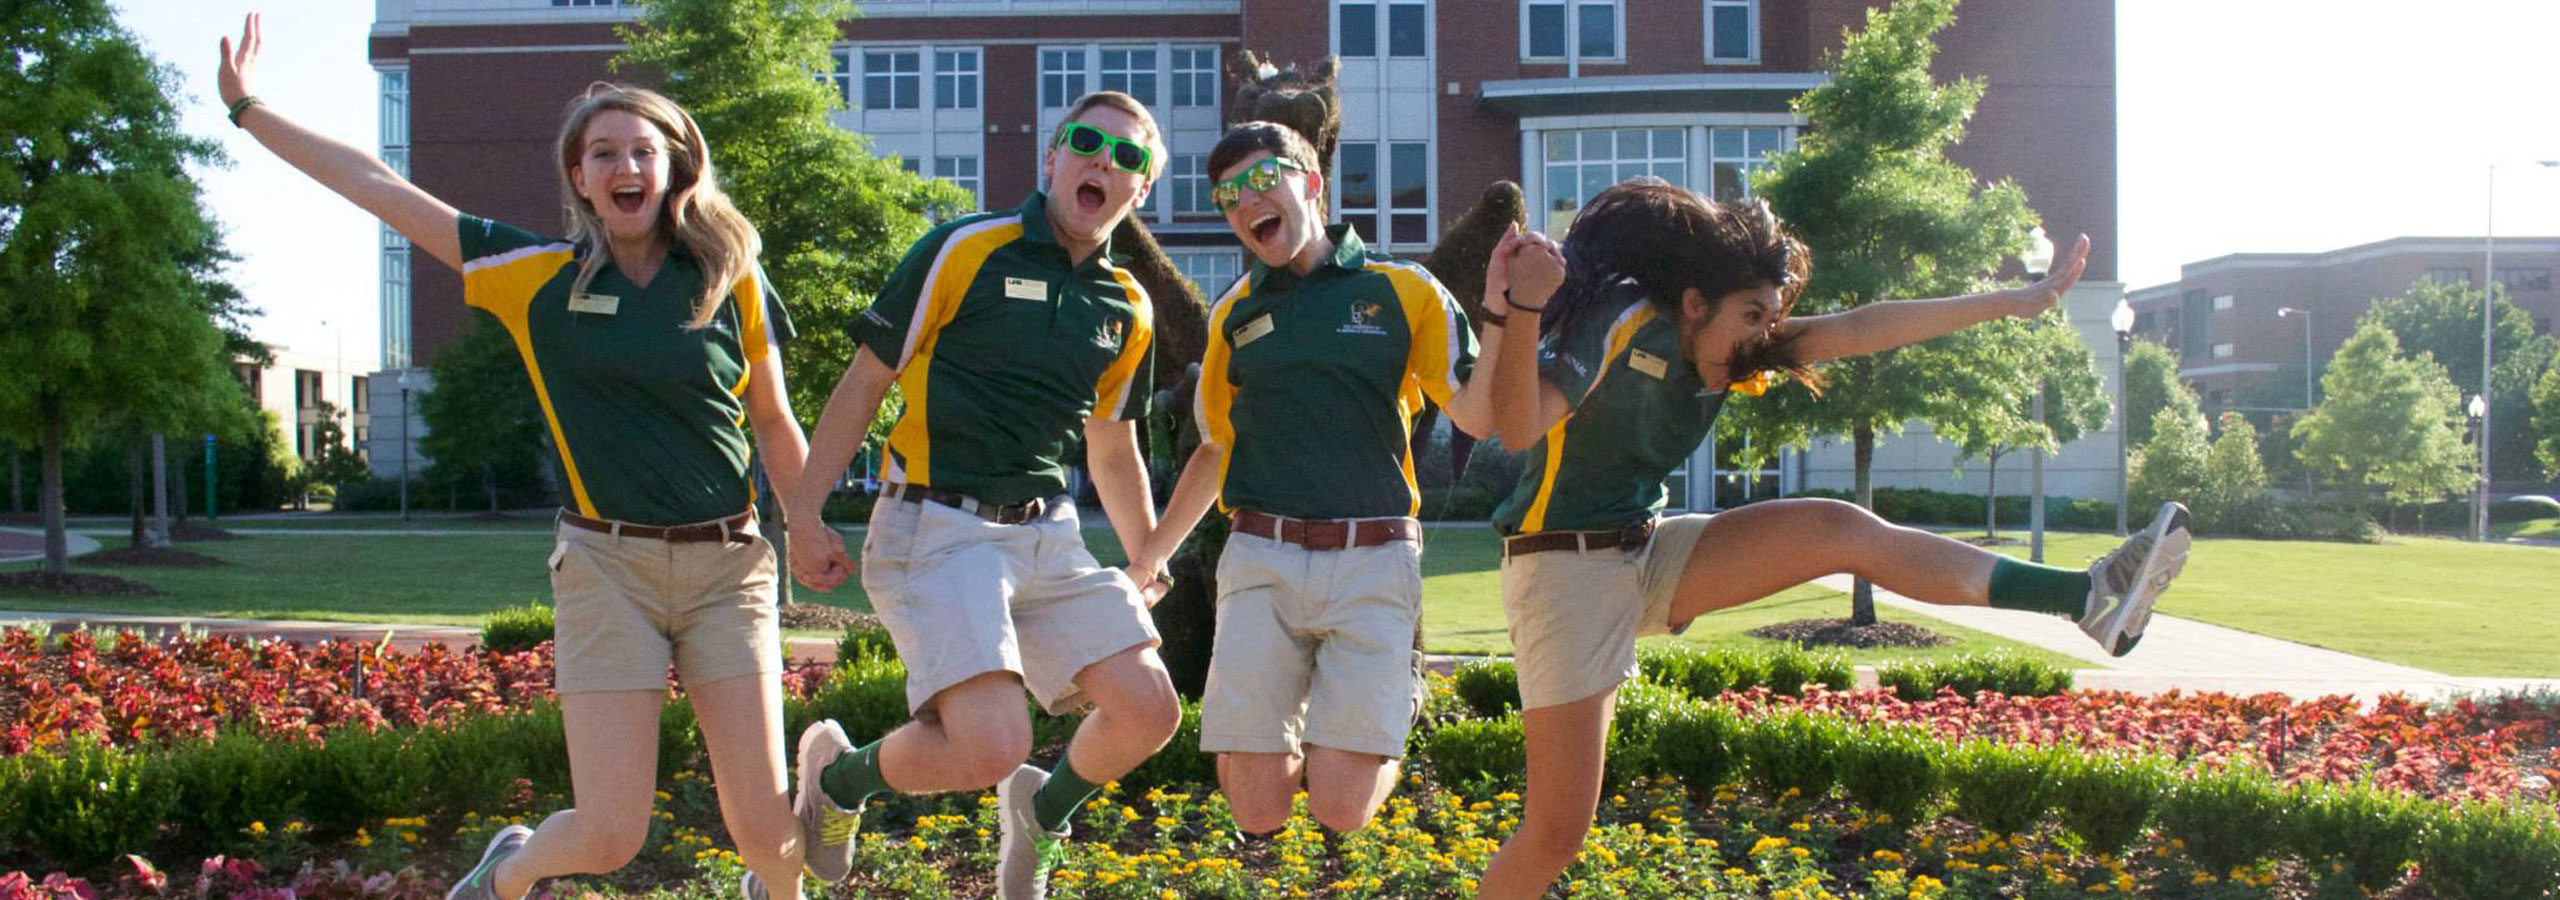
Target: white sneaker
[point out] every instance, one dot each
(479, 884)
(1026, 852)
(2126, 583)
(826, 830)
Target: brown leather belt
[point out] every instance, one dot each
(738, 528)
(1326, 534)
(1014, 514)
(1628, 538)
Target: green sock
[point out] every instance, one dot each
(854, 777)
(2039, 588)
(1060, 797)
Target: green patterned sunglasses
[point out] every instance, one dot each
(1086, 140)
(1259, 177)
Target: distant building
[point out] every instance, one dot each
(293, 386)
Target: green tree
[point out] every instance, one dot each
(482, 423)
(835, 219)
(2074, 406)
(2171, 465)
(107, 300)
(2546, 418)
(2443, 321)
(2387, 422)
(1887, 215)
(336, 460)
(2235, 482)
(2150, 385)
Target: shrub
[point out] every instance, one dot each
(1973, 673)
(1707, 673)
(2226, 818)
(2235, 483)
(2370, 834)
(361, 775)
(866, 696)
(1793, 751)
(2491, 851)
(1477, 757)
(516, 630)
(2002, 788)
(2105, 799)
(1695, 742)
(1892, 770)
(1642, 705)
(1791, 667)
(1489, 687)
(2169, 466)
(1698, 673)
(1177, 766)
(216, 789)
(848, 508)
(867, 639)
(83, 803)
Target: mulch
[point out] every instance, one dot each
(821, 617)
(192, 530)
(74, 584)
(1844, 633)
(156, 557)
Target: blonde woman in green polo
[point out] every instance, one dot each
(1318, 360)
(652, 342)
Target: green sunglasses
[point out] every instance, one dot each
(1259, 177)
(1126, 155)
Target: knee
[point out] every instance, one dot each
(1258, 814)
(1144, 703)
(1341, 813)
(1840, 517)
(989, 747)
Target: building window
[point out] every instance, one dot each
(1061, 78)
(1191, 184)
(607, 4)
(1213, 271)
(842, 76)
(1359, 34)
(955, 79)
(1592, 31)
(1131, 72)
(2193, 342)
(2222, 351)
(1581, 164)
(1406, 30)
(2515, 280)
(2223, 302)
(1738, 154)
(1195, 76)
(959, 170)
(890, 79)
(2450, 276)
(395, 247)
(1733, 31)
(1390, 203)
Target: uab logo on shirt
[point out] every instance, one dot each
(1109, 337)
(1364, 314)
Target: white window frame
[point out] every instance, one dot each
(2222, 302)
(1071, 80)
(1384, 213)
(1129, 72)
(1652, 163)
(1572, 31)
(1222, 266)
(1749, 163)
(948, 169)
(394, 268)
(1751, 32)
(892, 76)
(1192, 77)
(1377, 30)
(968, 83)
(2224, 351)
(1188, 174)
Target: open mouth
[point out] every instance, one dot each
(1266, 228)
(1090, 197)
(629, 199)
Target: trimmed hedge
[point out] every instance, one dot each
(1973, 673)
(516, 630)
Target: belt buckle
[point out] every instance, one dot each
(1330, 534)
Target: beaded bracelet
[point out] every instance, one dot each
(241, 106)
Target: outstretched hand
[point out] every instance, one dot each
(2044, 295)
(240, 62)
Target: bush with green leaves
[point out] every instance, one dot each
(83, 802)
(1179, 765)
(867, 639)
(2006, 789)
(2496, 850)
(217, 788)
(1695, 742)
(1477, 757)
(1490, 687)
(2361, 836)
(1706, 673)
(2105, 799)
(2226, 818)
(1793, 751)
(516, 630)
(1792, 668)
(1641, 707)
(867, 696)
(1972, 673)
(1893, 770)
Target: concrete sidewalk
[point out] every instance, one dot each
(27, 544)
(2185, 654)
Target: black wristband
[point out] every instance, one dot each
(1515, 307)
(241, 106)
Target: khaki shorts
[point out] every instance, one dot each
(962, 596)
(626, 608)
(1575, 616)
(1313, 646)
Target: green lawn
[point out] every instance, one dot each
(2449, 606)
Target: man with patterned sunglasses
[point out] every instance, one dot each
(1317, 361)
(1009, 335)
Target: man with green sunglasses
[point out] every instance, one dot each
(1010, 335)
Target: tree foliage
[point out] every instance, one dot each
(2171, 465)
(835, 219)
(2546, 419)
(483, 423)
(2150, 385)
(2443, 321)
(2235, 481)
(2387, 422)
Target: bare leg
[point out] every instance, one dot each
(979, 732)
(1345, 787)
(1765, 548)
(1567, 744)
(607, 731)
(741, 721)
(1259, 787)
(1134, 713)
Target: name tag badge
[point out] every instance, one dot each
(600, 304)
(1647, 363)
(1253, 330)
(1026, 289)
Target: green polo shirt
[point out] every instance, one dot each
(1312, 383)
(1639, 410)
(1004, 346)
(649, 416)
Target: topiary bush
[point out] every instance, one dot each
(516, 630)
(2491, 851)
(1793, 752)
(1478, 758)
(1893, 770)
(1489, 687)
(2226, 818)
(2359, 836)
(2105, 799)
(1969, 674)
(1695, 742)
(2004, 789)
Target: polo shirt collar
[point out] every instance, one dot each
(1349, 255)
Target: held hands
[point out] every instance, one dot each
(819, 562)
(240, 62)
(2043, 295)
(1525, 270)
(1147, 568)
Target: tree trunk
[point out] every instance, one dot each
(17, 493)
(1862, 598)
(138, 477)
(1991, 498)
(178, 485)
(489, 485)
(57, 543)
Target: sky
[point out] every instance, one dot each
(2243, 126)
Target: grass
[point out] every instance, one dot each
(2449, 606)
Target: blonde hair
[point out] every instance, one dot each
(696, 213)
(1154, 138)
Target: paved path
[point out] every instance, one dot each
(24, 544)
(2189, 655)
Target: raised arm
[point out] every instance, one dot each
(841, 429)
(1884, 326)
(1521, 278)
(427, 222)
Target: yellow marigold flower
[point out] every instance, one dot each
(1799, 852)
(258, 828)
(1129, 814)
(1168, 894)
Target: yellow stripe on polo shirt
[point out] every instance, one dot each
(946, 284)
(505, 285)
(1213, 400)
(1430, 363)
(1111, 393)
(1635, 318)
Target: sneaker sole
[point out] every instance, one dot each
(2167, 558)
(805, 807)
(486, 854)
(1016, 832)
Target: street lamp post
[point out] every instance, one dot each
(2122, 319)
(2488, 331)
(2478, 408)
(405, 385)
(2306, 381)
(2037, 258)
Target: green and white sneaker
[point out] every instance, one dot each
(2126, 583)
(826, 830)
(1026, 852)
(752, 888)
(479, 883)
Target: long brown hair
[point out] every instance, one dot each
(696, 213)
(1668, 239)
